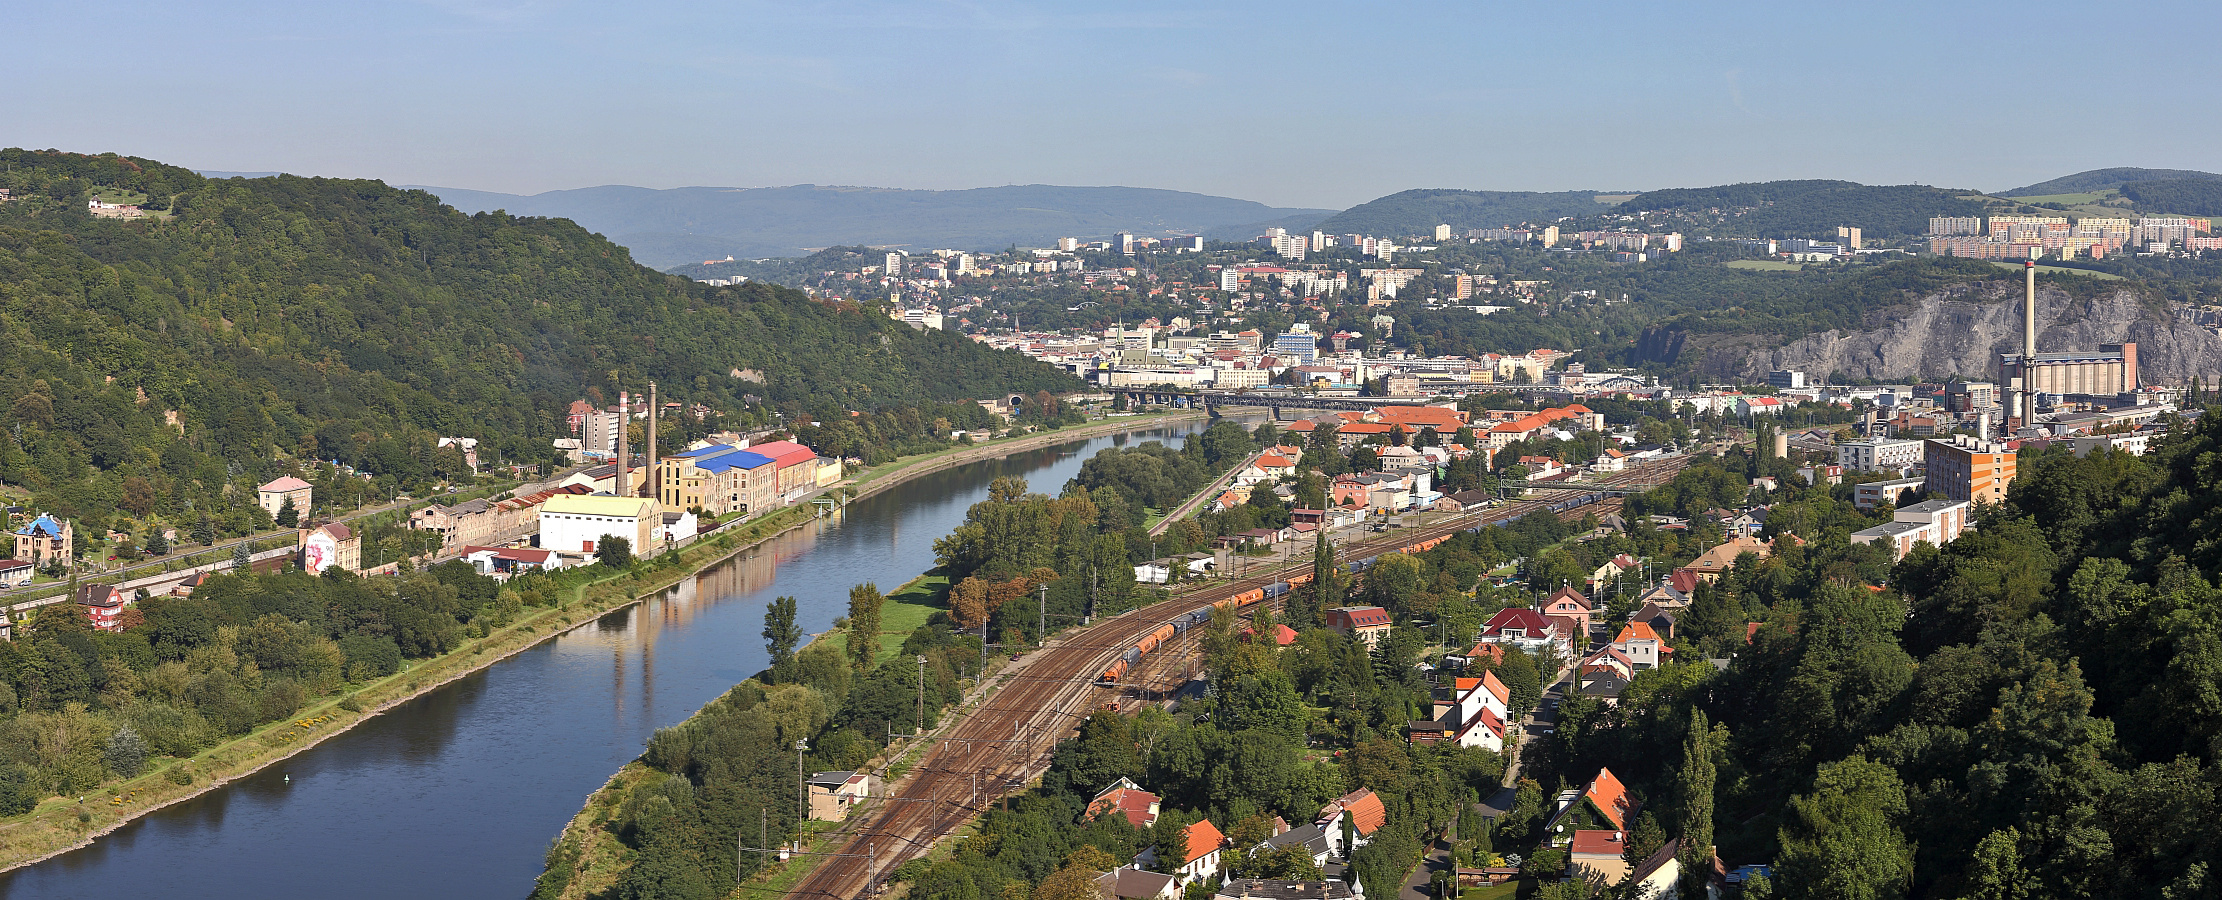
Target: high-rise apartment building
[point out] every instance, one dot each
(1956, 225)
(1969, 469)
(894, 265)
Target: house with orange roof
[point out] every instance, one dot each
(1602, 803)
(1641, 645)
(1201, 855)
(1709, 566)
(1359, 813)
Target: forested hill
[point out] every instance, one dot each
(294, 317)
(2106, 180)
(1809, 208)
(1419, 211)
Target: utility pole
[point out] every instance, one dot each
(1090, 616)
(802, 795)
(1043, 621)
(921, 694)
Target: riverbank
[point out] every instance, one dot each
(587, 858)
(60, 825)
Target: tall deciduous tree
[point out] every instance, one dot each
(1694, 796)
(864, 623)
(781, 634)
(1841, 840)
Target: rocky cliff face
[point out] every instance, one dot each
(1961, 332)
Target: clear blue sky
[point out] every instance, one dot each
(1289, 103)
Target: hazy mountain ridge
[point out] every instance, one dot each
(667, 228)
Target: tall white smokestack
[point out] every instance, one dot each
(619, 486)
(2029, 343)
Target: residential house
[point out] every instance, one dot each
(1126, 798)
(1201, 856)
(1569, 603)
(1282, 635)
(46, 541)
(1605, 685)
(833, 794)
(104, 604)
(14, 571)
(1661, 619)
(1608, 659)
(1359, 812)
(1134, 883)
(1310, 838)
(1641, 645)
(1658, 876)
(1708, 566)
(275, 495)
(1597, 856)
(189, 585)
(1602, 803)
(1369, 624)
(1527, 629)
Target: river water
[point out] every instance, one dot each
(459, 792)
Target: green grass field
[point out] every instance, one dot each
(1765, 265)
(2068, 199)
(909, 607)
(2061, 270)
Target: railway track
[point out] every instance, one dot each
(1007, 741)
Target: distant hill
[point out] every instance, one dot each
(2185, 196)
(667, 228)
(1808, 208)
(1419, 211)
(2104, 180)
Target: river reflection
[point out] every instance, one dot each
(457, 793)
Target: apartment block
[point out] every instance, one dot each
(1969, 470)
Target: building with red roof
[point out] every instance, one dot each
(1524, 628)
(1140, 807)
(1598, 856)
(1366, 623)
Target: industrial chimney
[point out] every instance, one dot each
(652, 486)
(2029, 344)
(619, 486)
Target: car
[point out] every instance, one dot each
(1015, 656)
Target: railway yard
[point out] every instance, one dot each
(1131, 658)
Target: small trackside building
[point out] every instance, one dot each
(572, 523)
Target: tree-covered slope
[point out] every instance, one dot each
(2105, 180)
(328, 319)
(1809, 208)
(1419, 211)
(2185, 196)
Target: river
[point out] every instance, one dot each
(458, 793)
